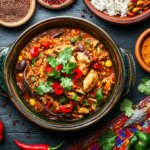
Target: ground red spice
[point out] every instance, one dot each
(54, 2)
(13, 10)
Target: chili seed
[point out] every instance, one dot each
(90, 16)
(5, 103)
(39, 7)
(9, 114)
(14, 122)
(3, 106)
(83, 9)
(82, 15)
(22, 123)
(28, 136)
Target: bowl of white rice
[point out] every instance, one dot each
(115, 11)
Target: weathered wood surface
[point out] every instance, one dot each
(125, 36)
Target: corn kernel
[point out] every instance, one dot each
(98, 83)
(32, 41)
(20, 58)
(108, 63)
(48, 52)
(32, 102)
(38, 45)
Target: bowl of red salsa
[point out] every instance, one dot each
(75, 70)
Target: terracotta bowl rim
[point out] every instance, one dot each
(118, 20)
(24, 20)
(138, 49)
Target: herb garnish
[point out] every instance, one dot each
(75, 97)
(33, 61)
(52, 61)
(99, 95)
(66, 83)
(80, 38)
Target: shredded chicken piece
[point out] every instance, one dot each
(83, 110)
(38, 107)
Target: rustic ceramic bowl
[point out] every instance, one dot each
(24, 20)
(138, 48)
(122, 60)
(56, 7)
(117, 19)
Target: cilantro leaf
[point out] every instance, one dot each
(99, 95)
(127, 107)
(52, 61)
(80, 38)
(55, 74)
(69, 67)
(107, 140)
(75, 97)
(66, 83)
(43, 88)
(33, 61)
(144, 87)
(73, 40)
(64, 56)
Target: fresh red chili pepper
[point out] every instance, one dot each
(36, 147)
(74, 81)
(34, 52)
(48, 104)
(95, 58)
(58, 90)
(1, 132)
(55, 84)
(96, 66)
(64, 110)
(59, 67)
(48, 69)
(55, 111)
(45, 44)
(94, 93)
(66, 75)
(77, 73)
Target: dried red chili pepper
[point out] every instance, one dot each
(96, 66)
(58, 90)
(1, 132)
(64, 110)
(48, 69)
(45, 44)
(34, 52)
(48, 104)
(77, 73)
(36, 147)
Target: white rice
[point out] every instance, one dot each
(112, 7)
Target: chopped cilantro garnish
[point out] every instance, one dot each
(98, 48)
(33, 61)
(87, 41)
(73, 40)
(62, 99)
(86, 104)
(27, 45)
(66, 83)
(75, 97)
(55, 74)
(43, 88)
(33, 79)
(69, 67)
(80, 38)
(144, 87)
(52, 61)
(99, 95)
(64, 56)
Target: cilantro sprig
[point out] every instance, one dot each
(68, 68)
(75, 97)
(99, 95)
(127, 107)
(52, 61)
(55, 74)
(66, 83)
(107, 140)
(144, 87)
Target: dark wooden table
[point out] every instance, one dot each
(124, 36)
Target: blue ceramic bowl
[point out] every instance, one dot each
(122, 60)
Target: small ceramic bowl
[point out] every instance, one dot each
(117, 19)
(138, 48)
(56, 7)
(24, 20)
(123, 62)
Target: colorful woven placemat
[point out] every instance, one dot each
(124, 134)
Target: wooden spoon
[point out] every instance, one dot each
(56, 7)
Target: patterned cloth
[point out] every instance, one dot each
(124, 134)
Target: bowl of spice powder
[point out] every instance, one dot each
(14, 13)
(142, 50)
(56, 4)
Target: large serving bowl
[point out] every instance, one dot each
(122, 61)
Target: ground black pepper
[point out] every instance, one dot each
(13, 10)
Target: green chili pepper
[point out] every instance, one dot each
(139, 141)
(98, 48)
(33, 79)
(73, 40)
(33, 61)
(42, 55)
(62, 99)
(86, 104)
(87, 41)
(80, 38)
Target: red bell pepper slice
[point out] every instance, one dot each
(96, 66)
(34, 52)
(59, 67)
(1, 132)
(48, 104)
(94, 93)
(48, 69)
(45, 44)
(58, 90)
(64, 110)
(77, 73)
(55, 84)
